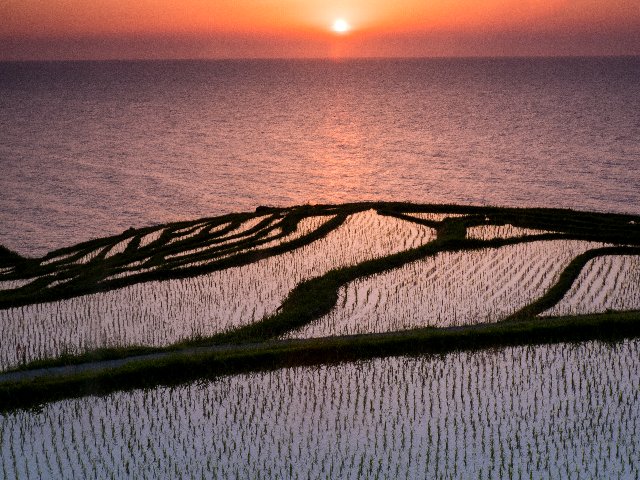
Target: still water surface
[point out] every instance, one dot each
(551, 411)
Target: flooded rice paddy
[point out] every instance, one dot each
(489, 232)
(455, 288)
(557, 411)
(161, 313)
(605, 283)
(448, 289)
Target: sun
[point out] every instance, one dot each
(340, 25)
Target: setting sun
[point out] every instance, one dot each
(116, 29)
(340, 26)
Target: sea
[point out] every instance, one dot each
(90, 149)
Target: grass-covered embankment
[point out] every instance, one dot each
(252, 347)
(60, 275)
(312, 298)
(64, 279)
(179, 367)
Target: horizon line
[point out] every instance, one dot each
(318, 58)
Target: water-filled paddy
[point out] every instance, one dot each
(453, 287)
(558, 411)
(605, 283)
(273, 238)
(489, 232)
(161, 313)
(435, 217)
(450, 288)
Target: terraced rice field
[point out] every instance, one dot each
(558, 411)
(172, 247)
(12, 284)
(275, 237)
(489, 232)
(316, 271)
(166, 312)
(448, 289)
(606, 283)
(552, 410)
(435, 217)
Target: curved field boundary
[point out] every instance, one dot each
(89, 279)
(567, 277)
(250, 347)
(309, 300)
(317, 297)
(30, 389)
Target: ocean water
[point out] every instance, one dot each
(91, 148)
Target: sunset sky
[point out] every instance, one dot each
(105, 29)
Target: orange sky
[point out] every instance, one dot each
(283, 28)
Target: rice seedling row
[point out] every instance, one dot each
(163, 313)
(12, 284)
(169, 251)
(549, 411)
(435, 217)
(273, 238)
(448, 289)
(249, 282)
(150, 238)
(489, 232)
(605, 283)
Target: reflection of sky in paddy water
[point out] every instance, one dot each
(91, 149)
(161, 313)
(557, 411)
(448, 289)
(605, 283)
